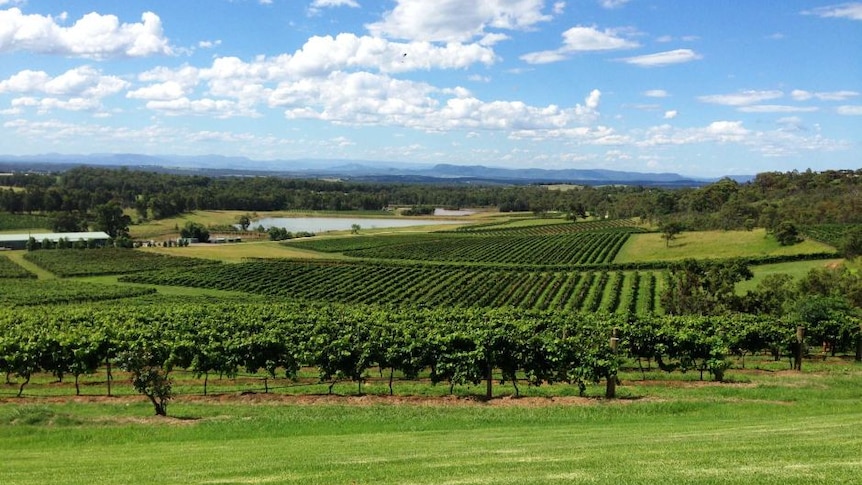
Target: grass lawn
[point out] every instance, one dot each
(710, 244)
(781, 427)
(796, 269)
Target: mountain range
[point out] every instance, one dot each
(365, 170)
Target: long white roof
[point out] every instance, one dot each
(55, 236)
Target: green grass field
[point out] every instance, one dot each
(711, 244)
(782, 428)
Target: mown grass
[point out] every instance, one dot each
(711, 244)
(796, 269)
(785, 428)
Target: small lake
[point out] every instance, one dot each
(324, 224)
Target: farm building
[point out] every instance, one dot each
(19, 241)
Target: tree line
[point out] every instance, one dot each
(770, 199)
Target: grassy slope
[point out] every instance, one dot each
(710, 244)
(780, 428)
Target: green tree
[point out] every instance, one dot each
(195, 230)
(703, 288)
(354, 228)
(851, 245)
(787, 234)
(669, 231)
(111, 219)
(244, 222)
(149, 377)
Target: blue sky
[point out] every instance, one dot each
(701, 88)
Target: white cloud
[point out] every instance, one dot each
(612, 3)
(851, 10)
(850, 110)
(93, 36)
(456, 20)
(776, 108)
(318, 5)
(656, 93)
(581, 39)
(666, 58)
(78, 89)
(159, 92)
(559, 8)
(801, 95)
(669, 115)
(209, 44)
(334, 3)
(742, 98)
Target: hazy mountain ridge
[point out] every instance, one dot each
(217, 165)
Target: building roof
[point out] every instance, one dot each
(55, 236)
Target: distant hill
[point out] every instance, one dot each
(217, 165)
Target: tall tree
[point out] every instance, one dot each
(110, 218)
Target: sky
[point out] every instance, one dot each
(700, 88)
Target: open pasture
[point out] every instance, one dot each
(712, 245)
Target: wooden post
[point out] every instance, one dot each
(109, 376)
(489, 390)
(800, 339)
(611, 389)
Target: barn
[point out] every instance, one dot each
(19, 241)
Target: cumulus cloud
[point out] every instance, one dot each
(83, 82)
(669, 115)
(581, 39)
(742, 98)
(851, 10)
(850, 110)
(93, 36)
(666, 58)
(455, 20)
(256, 81)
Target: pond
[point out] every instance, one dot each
(324, 224)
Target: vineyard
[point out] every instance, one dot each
(8, 269)
(16, 222)
(832, 234)
(564, 249)
(32, 292)
(348, 342)
(431, 285)
(90, 262)
(513, 229)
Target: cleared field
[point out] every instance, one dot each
(711, 244)
(796, 269)
(780, 428)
